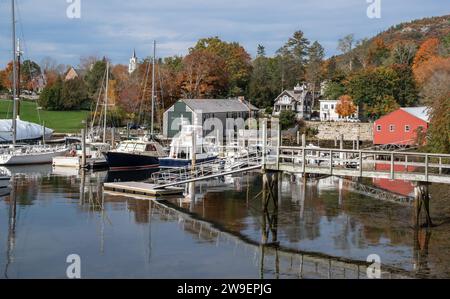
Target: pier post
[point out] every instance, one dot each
(194, 148)
(358, 140)
(264, 143)
(43, 133)
(83, 145)
(279, 143)
(304, 154)
(113, 137)
(422, 197)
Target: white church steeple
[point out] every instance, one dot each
(133, 63)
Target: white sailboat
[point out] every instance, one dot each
(24, 154)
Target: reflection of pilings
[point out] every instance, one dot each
(375, 192)
(420, 253)
(305, 264)
(11, 226)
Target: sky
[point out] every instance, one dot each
(113, 28)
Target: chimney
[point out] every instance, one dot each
(241, 99)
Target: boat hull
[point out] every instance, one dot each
(178, 163)
(32, 158)
(5, 181)
(118, 161)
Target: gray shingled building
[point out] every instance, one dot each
(207, 112)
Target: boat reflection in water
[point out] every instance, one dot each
(219, 229)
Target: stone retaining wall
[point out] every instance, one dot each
(332, 130)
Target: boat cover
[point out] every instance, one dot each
(25, 131)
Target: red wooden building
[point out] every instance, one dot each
(401, 126)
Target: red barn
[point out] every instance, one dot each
(401, 126)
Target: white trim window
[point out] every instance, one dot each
(407, 129)
(378, 128)
(391, 128)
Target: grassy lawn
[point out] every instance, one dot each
(60, 121)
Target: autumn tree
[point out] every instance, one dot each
(203, 75)
(427, 50)
(7, 76)
(436, 95)
(237, 62)
(425, 70)
(2, 79)
(345, 107)
(378, 52)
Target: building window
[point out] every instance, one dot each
(391, 128)
(379, 128)
(407, 129)
(325, 106)
(332, 106)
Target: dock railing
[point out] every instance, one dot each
(362, 163)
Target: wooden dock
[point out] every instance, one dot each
(139, 188)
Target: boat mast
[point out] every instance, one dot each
(18, 57)
(106, 101)
(153, 89)
(14, 119)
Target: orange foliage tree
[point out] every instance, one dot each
(427, 50)
(425, 70)
(345, 107)
(203, 75)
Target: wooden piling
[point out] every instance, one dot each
(83, 146)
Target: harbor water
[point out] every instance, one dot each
(318, 228)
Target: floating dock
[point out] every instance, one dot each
(139, 188)
(75, 162)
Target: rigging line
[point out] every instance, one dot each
(26, 52)
(97, 104)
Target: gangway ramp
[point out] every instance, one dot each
(168, 181)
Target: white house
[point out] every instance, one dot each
(328, 112)
(298, 100)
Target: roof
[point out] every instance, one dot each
(419, 112)
(328, 100)
(219, 105)
(78, 72)
(81, 72)
(297, 96)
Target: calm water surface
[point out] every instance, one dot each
(321, 229)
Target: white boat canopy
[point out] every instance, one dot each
(25, 131)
